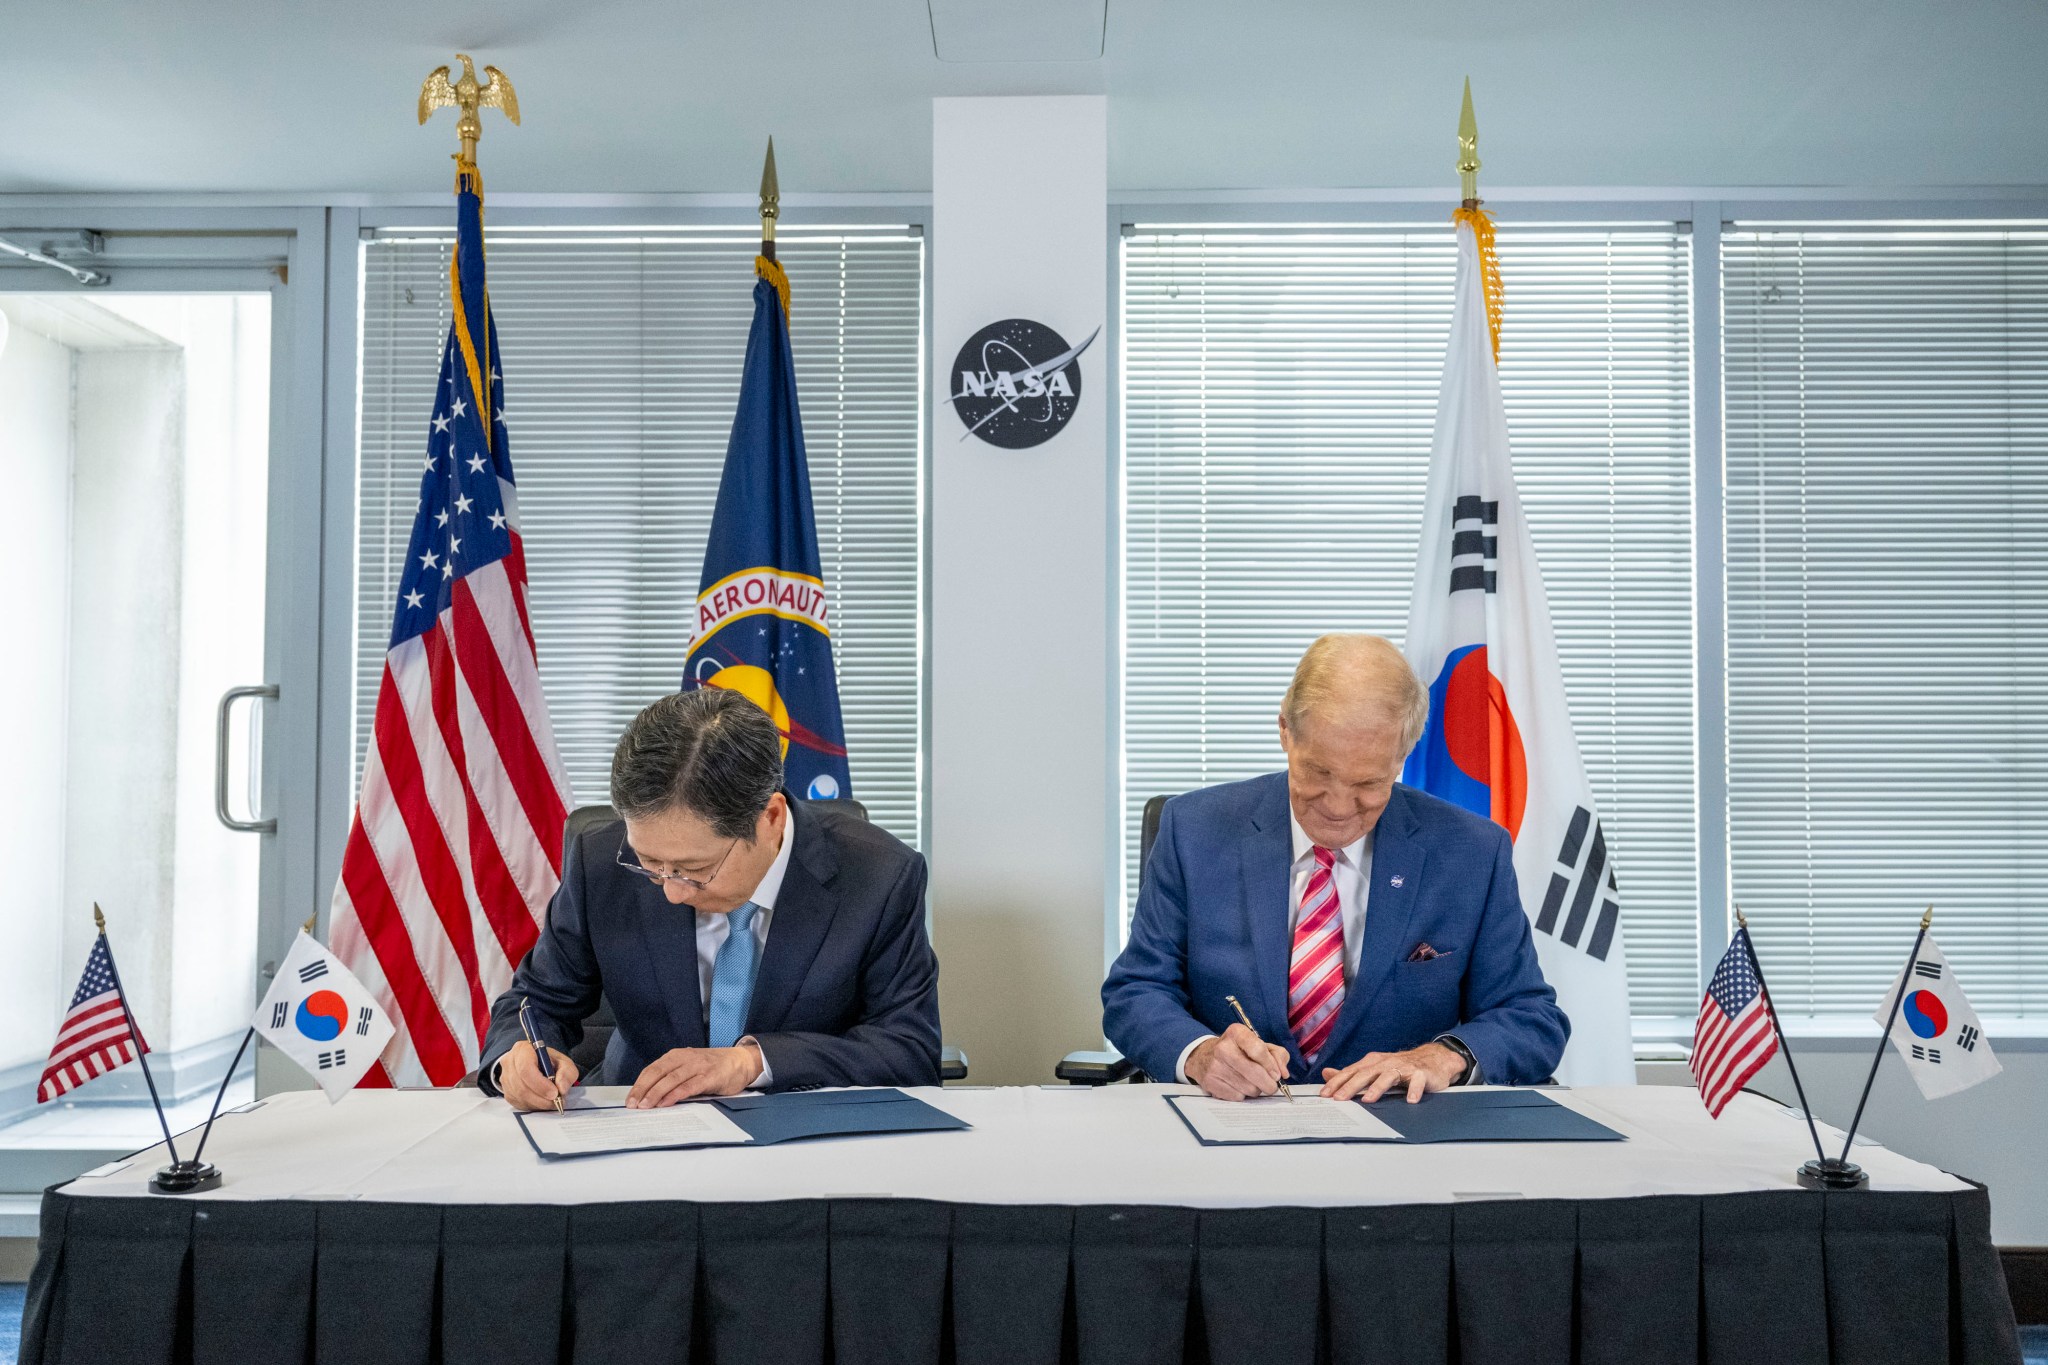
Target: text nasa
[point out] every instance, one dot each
(753, 591)
(1030, 384)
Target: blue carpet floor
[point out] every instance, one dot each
(2033, 1340)
(11, 1296)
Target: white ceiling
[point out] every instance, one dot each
(665, 95)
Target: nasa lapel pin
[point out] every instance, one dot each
(1396, 880)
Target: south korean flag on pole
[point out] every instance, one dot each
(1938, 1034)
(321, 1017)
(1499, 740)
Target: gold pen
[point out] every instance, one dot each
(1245, 1019)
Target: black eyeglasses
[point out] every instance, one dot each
(629, 860)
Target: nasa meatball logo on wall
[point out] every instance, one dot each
(1016, 383)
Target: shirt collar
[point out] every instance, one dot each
(1352, 853)
(771, 881)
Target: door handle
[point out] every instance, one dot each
(220, 760)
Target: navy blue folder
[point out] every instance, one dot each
(793, 1115)
(1488, 1116)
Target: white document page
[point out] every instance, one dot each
(1308, 1118)
(587, 1132)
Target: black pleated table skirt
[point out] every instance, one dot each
(1786, 1277)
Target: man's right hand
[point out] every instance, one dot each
(1237, 1066)
(521, 1083)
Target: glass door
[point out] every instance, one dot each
(135, 481)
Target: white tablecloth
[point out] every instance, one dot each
(1118, 1144)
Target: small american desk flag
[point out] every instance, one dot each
(96, 1036)
(1734, 1037)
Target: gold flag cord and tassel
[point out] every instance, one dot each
(1478, 218)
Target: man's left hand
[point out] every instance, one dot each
(686, 1072)
(1422, 1069)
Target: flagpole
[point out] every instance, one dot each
(771, 202)
(141, 1049)
(1898, 999)
(220, 1094)
(1784, 1043)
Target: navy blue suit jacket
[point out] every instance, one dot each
(848, 988)
(1212, 921)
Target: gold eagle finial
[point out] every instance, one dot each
(466, 96)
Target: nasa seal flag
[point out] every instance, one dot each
(321, 1017)
(1016, 383)
(763, 624)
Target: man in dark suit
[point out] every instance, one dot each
(745, 939)
(1373, 933)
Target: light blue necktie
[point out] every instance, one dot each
(732, 978)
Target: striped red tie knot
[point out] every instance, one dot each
(1326, 858)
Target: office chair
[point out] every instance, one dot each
(599, 1027)
(1109, 1067)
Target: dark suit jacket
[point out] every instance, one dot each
(848, 988)
(1212, 921)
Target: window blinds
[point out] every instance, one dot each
(1279, 394)
(622, 360)
(1887, 504)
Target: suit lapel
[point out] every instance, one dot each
(1267, 855)
(668, 933)
(803, 914)
(1397, 861)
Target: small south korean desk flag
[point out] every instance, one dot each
(321, 1017)
(1937, 1033)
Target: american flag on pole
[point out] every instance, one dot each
(457, 842)
(1734, 1037)
(96, 1036)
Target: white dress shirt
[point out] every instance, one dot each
(1352, 872)
(714, 928)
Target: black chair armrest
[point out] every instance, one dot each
(952, 1065)
(1095, 1068)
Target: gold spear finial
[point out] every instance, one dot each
(1927, 919)
(99, 921)
(467, 97)
(311, 920)
(1468, 149)
(771, 202)
(1740, 918)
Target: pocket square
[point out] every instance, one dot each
(1424, 953)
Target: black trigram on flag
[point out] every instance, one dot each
(363, 1017)
(313, 970)
(1967, 1039)
(330, 1060)
(278, 1014)
(1930, 970)
(1475, 544)
(1926, 1054)
(1575, 887)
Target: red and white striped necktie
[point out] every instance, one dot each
(1315, 975)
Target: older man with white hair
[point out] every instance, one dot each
(1373, 934)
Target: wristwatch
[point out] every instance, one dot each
(1470, 1075)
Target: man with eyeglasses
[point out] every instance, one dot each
(745, 939)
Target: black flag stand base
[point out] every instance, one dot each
(190, 1177)
(1833, 1173)
(186, 1177)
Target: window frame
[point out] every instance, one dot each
(1702, 215)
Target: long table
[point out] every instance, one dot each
(1066, 1225)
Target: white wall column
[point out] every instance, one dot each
(1019, 684)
